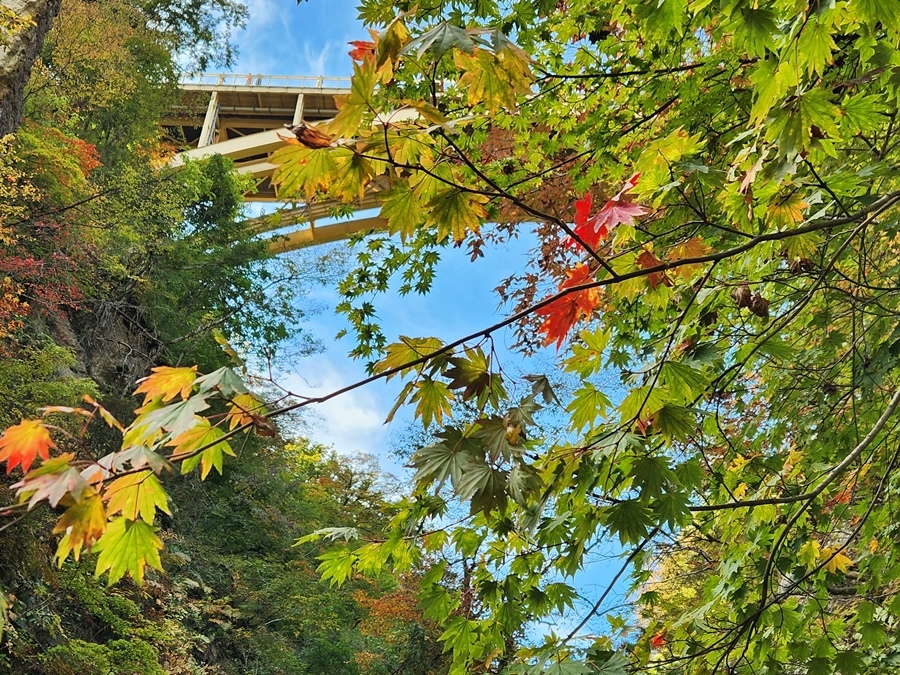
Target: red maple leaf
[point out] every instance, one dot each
(594, 229)
(22, 442)
(630, 184)
(362, 50)
(658, 641)
(583, 210)
(563, 313)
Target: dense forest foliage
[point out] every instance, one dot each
(111, 263)
(712, 189)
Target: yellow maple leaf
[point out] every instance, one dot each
(167, 383)
(787, 212)
(84, 523)
(22, 442)
(837, 561)
(694, 247)
(242, 409)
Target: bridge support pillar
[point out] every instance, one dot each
(210, 121)
(298, 110)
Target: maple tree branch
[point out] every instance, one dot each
(829, 478)
(528, 209)
(630, 559)
(875, 208)
(621, 73)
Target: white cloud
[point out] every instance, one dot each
(351, 422)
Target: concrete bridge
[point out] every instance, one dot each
(239, 116)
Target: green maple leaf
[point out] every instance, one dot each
(484, 485)
(456, 213)
(460, 634)
(587, 407)
(127, 547)
(406, 351)
(433, 398)
(447, 458)
(472, 373)
(886, 12)
(352, 174)
(175, 418)
(303, 170)
(137, 495)
(754, 30)
(336, 566)
(524, 483)
(630, 520)
(849, 663)
(354, 105)
(672, 508)
(225, 380)
(402, 211)
(492, 80)
(674, 422)
(819, 666)
(441, 39)
(682, 381)
(200, 435)
(651, 475)
(645, 400)
(791, 127)
(816, 45)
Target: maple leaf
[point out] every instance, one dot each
(128, 546)
(362, 50)
(21, 443)
(616, 212)
(787, 212)
(647, 260)
(594, 229)
(658, 641)
(105, 415)
(52, 481)
(243, 408)
(563, 313)
(837, 561)
(201, 435)
(167, 383)
(84, 523)
(137, 496)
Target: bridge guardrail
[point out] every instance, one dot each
(257, 80)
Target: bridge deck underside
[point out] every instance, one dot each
(240, 116)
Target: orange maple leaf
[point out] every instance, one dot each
(362, 50)
(167, 382)
(563, 313)
(21, 443)
(647, 260)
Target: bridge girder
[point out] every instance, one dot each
(239, 116)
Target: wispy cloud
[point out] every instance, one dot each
(282, 38)
(352, 422)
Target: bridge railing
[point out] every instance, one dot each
(257, 80)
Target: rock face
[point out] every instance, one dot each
(18, 56)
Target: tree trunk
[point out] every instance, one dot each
(17, 58)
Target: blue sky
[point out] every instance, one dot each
(283, 38)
